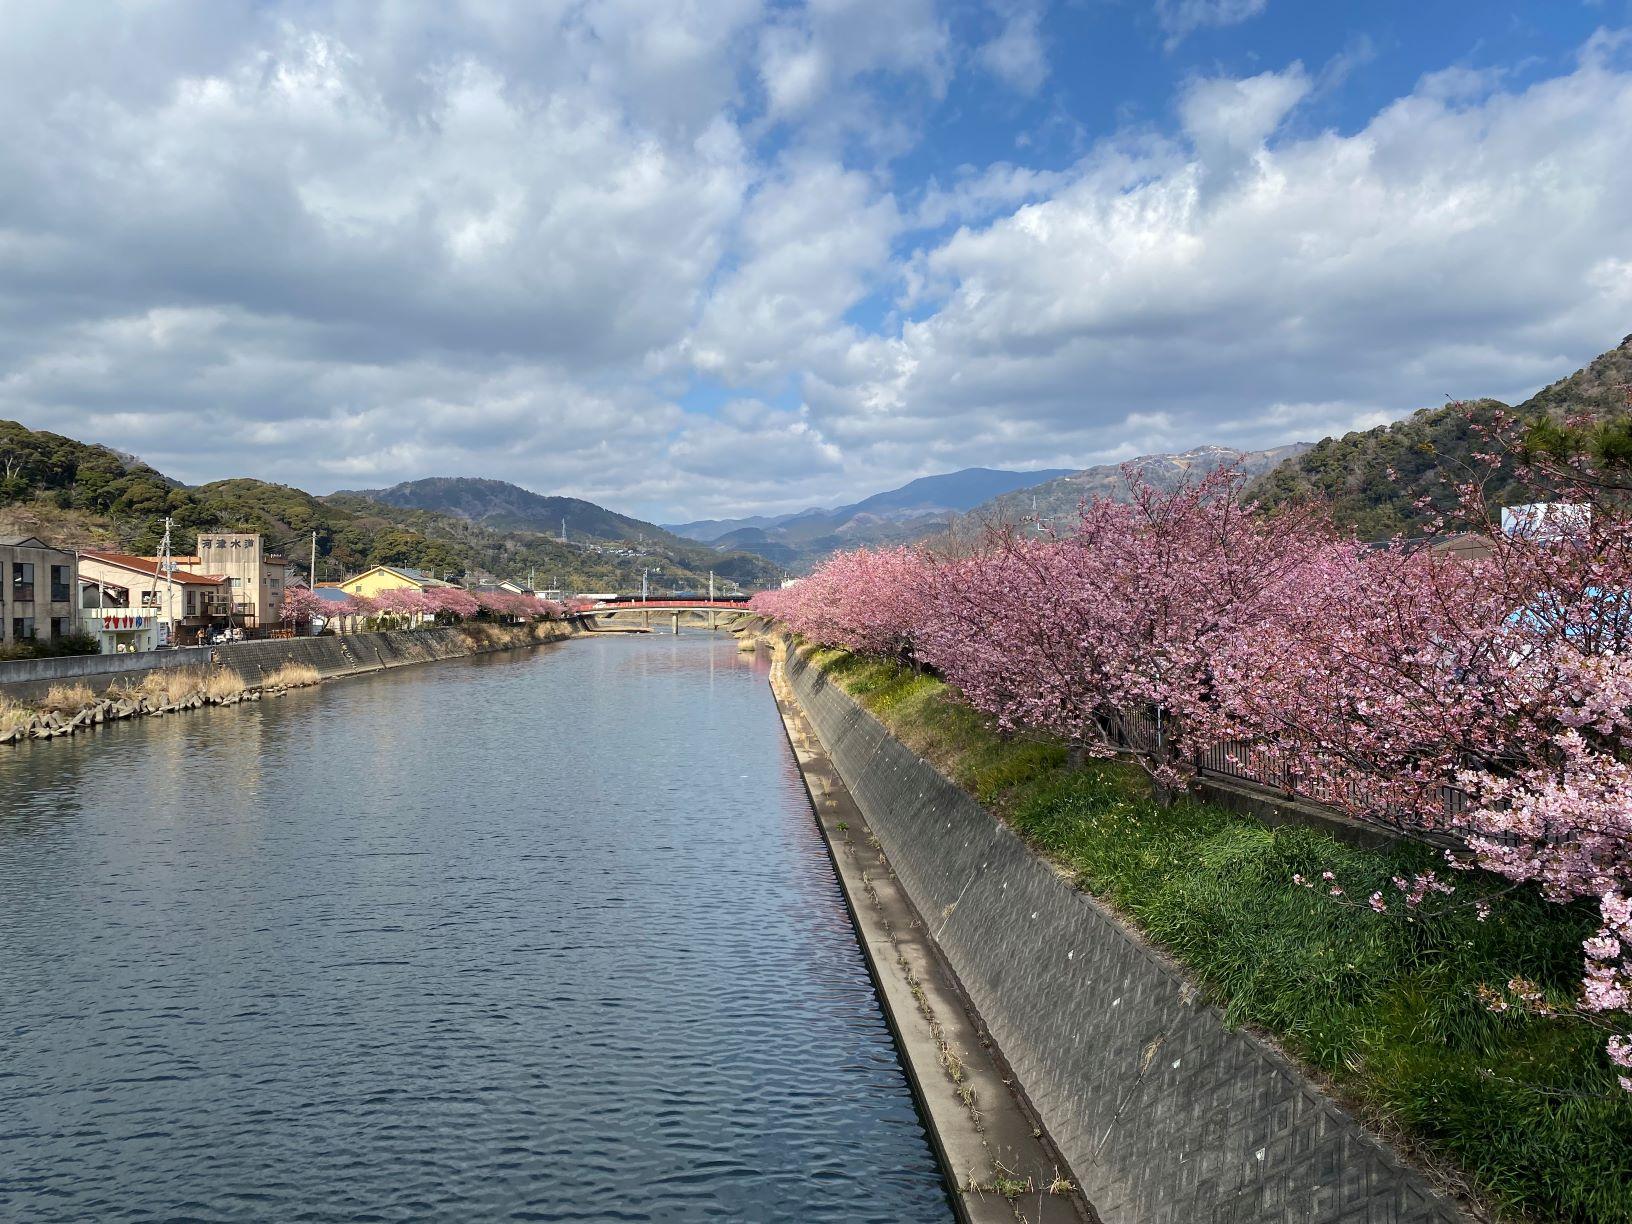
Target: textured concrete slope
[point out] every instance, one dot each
(1165, 1113)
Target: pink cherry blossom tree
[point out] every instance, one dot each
(299, 605)
(1485, 699)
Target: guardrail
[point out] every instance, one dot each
(1259, 766)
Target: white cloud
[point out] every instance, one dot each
(1017, 55)
(1226, 118)
(823, 46)
(812, 240)
(351, 243)
(1447, 246)
(1181, 18)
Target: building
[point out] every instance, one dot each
(381, 578)
(130, 603)
(1466, 546)
(36, 591)
(255, 578)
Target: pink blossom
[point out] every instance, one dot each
(300, 604)
(1487, 701)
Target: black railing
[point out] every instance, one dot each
(1261, 766)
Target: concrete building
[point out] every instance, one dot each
(129, 603)
(36, 591)
(255, 578)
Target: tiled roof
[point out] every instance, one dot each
(149, 566)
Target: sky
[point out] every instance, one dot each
(695, 258)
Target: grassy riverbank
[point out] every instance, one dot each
(74, 705)
(1390, 1010)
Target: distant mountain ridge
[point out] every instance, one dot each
(80, 495)
(949, 492)
(536, 521)
(509, 507)
(1059, 499)
(895, 516)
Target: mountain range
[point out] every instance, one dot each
(80, 495)
(506, 507)
(916, 509)
(1059, 498)
(1380, 482)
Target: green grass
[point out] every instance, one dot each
(1525, 1108)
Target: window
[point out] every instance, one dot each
(22, 581)
(150, 599)
(22, 628)
(61, 626)
(60, 584)
(192, 602)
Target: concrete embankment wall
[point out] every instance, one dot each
(26, 678)
(351, 653)
(1165, 1114)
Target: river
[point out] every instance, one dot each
(537, 936)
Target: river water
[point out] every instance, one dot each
(536, 936)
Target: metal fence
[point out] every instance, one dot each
(1262, 767)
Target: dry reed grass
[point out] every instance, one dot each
(13, 715)
(67, 698)
(222, 683)
(172, 684)
(291, 675)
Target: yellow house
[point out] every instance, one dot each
(372, 582)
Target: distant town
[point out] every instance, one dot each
(232, 588)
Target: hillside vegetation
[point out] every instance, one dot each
(1375, 479)
(1058, 499)
(507, 507)
(81, 495)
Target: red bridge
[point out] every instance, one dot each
(671, 608)
(666, 605)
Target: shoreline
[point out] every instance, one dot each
(996, 1160)
(249, 671)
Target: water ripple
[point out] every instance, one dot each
(536, 937)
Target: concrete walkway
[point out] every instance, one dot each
(991, 1149)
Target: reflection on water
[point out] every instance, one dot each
(537, 936)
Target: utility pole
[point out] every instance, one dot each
(313, 582)
(710, 586)
(166, 563)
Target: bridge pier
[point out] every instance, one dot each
(677, 624)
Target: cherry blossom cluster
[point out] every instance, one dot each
(435, 603)
(1486, 698)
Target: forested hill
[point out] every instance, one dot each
(1374, 479)
(79, 495)
(508, 507)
